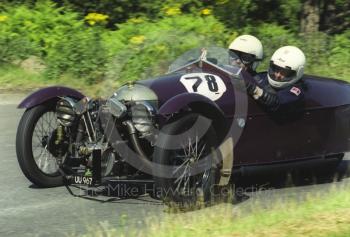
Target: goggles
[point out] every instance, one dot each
(245, 58)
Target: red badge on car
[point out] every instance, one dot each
(295, 90)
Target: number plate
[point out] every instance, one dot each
(205, 84)
(79, 179)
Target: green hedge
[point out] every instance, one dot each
(81, 46)
(56, 35)
(325, 55)
(142, 48)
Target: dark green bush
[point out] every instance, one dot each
(58, 36)
(325, 55)
(340, 56)
(142, 48)
(155, 34)
(14, 45)
(272, 37)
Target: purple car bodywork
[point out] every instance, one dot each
(46, 94)
(321, 128)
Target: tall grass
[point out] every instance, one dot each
(319, 215)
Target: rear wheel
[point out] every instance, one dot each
(193, 163)
(34, 136)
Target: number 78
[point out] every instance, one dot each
(211, 81)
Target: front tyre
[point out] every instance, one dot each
(35, 130)
(193, 163)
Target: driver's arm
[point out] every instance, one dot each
(269, 100)
(272, 101)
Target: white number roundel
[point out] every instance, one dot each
(205, 84)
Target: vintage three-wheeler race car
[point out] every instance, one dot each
(184, 134)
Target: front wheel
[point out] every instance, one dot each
(189, 151)
(34, 134)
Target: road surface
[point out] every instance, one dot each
(28, 211)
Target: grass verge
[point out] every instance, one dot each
(320, 215)
(16, 79)
(13, 78)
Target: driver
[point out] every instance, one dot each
(246, 51)
(281, 86)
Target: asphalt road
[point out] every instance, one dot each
(29, 211)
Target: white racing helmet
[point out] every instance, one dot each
(248, 49)
(290, 62)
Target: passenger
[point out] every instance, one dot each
(246, 51)
(281, 85)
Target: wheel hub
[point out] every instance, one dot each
(54, 148)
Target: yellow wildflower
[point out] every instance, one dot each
(172, 11)
(3, 18)
(91, 22)
(93, 18)
(138, 39)
(206, 11)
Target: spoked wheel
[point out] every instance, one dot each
(192, 164)
(35, 146)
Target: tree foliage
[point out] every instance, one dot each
(330, 16)
(54, 34)
(129, 40)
